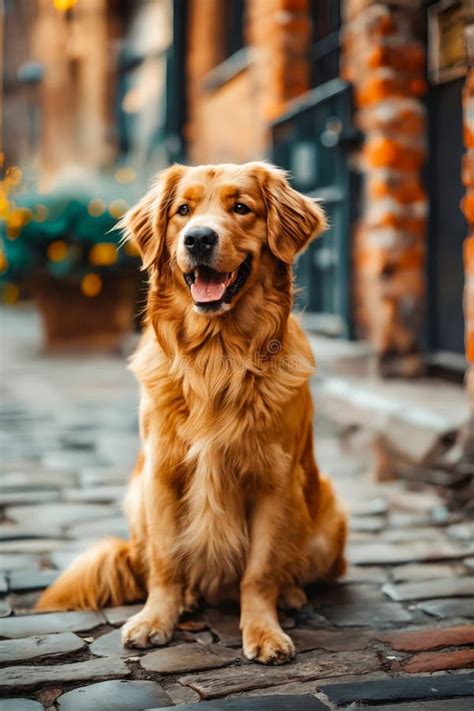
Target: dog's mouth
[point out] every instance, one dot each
(211, 289)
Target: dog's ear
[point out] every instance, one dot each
(293, 219)
(145, 223)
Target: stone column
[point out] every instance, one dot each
(385, 62)
(467, 207)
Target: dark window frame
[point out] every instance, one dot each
(233, 21)
(326, 19)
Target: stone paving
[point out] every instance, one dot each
(396, 633)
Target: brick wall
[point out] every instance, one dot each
(385, 62)
(230, 121)
(279, 33)
(468, 209)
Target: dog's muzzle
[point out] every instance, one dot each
(211, 289)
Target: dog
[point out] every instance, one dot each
(226, 500)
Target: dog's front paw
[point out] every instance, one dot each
(267, 646)
(146, 630)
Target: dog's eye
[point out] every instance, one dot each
(183, 209)
(241, 209)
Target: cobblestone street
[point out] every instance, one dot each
(397, 632)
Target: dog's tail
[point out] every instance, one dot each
(103, 575)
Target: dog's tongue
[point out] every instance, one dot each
(208, 286)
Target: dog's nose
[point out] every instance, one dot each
(200, 241)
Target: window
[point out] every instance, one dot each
(326, 22)
(233, 24)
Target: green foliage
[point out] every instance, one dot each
(67, 232)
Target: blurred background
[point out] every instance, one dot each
(368, 104)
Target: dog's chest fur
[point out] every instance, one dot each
(219, 424)
(229, 453)
(230, 456)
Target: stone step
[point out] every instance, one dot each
(413, 416)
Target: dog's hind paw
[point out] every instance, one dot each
(292, 598)
(191, 601)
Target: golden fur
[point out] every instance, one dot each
(226, 495)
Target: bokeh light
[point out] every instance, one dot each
(4, 204)
(118, 208)
(91, 285)
(57, 251)
(125, 175)
(96, 207)
(16, 218)
(103, 254)
(131, 249)
(64, 5)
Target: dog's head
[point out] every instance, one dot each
(216, 227)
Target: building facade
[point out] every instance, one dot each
(86, 86)
(362, 101)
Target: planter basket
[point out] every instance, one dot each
(72, 320)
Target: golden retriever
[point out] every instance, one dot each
(226, 497)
